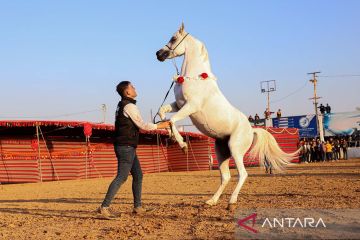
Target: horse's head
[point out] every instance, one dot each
(175, 47)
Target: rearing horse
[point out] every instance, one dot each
(199, 97)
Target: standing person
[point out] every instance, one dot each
(344, 147)
(308, 151)
(323, 144)
(302, 151)
(328, 109)
(328, 151)
(268, 166)
(278, 113)
(319, 150)
(322, 108)
(336, 149)
(128, 121)
(313, 149)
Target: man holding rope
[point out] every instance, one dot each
(128, 121)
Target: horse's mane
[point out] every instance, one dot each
(204, 53)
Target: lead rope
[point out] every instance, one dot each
(167, 93)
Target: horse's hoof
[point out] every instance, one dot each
(209, 203)
(185, 150)
(231, 207)
(207, 206)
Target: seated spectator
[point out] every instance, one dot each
(251, 119)
(257, 118)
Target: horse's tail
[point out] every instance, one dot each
(265, 146)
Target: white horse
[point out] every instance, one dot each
(199, 97)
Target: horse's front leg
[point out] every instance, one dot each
(188, 109)
(167, 109)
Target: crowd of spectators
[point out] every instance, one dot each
(313, 150)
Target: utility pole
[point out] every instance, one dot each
(315, 98)
(267, 87)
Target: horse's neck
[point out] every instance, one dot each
(194, 61)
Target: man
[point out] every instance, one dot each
(278, 113)
(251, 119)
(344, 147)
(328, 108)
(268, 166)
(322, 108)
(257, 118)
(128, 121)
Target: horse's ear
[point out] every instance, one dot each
(182, 27)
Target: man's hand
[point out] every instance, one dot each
(164, 124)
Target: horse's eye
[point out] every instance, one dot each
(173, 39)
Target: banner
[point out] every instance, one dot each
(347, 123)
(305, 123)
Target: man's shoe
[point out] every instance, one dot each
(105, 213)
(141, 210)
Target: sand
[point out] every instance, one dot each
(66, 210)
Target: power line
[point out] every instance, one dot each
(294, 92)
(342, 75)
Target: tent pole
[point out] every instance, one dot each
(43, 138)
(86, 156)
(187, 154)
(39, 158)
(158, 150)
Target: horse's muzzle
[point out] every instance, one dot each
(162, 55)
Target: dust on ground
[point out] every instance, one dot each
(66, 209)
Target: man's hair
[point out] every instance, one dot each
(121, 87)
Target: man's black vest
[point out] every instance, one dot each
(126, 132)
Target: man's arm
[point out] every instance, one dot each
(132, 111)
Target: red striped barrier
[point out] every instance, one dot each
(65, 158)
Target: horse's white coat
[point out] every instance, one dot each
(213, 115)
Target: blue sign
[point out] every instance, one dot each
(305, 123)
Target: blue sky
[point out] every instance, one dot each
(58, 58)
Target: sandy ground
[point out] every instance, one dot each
(65, 210)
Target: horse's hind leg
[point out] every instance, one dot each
(223, 156)
(240, 142)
